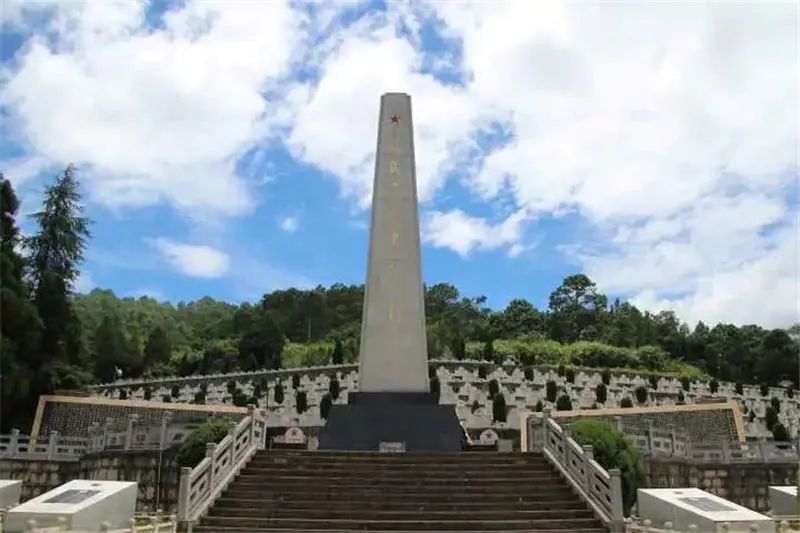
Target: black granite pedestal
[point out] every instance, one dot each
(414, 419)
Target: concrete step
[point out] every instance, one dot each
(419, 515)
(516, 493)
(427, 490)
(409, 524)
(393, 478)
(357, 504)
(233, 529)
(410, 457)
(415, 469)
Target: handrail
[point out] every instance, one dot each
(601, 489)
(200, 486)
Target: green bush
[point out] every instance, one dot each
(776, 404)
(175, 392)
(562, 370)
(790, 392)
(147, 393)
(601, 393)
(779, 433)
(193, 448)
(199, 398)
(529, 375)
(613, 450)
(488, 351)
(606, 377)
(239, 398)
(681, 398)
(494, 388)
(325, 406)
(301, 402)
(278, 395)
(295, 381)
(641, 394)
(771, 417)
(499, 408)
(764, 390)
(653, 382)
(713, 386)
(231, 386)
(334, 388)
(563, 403)
(626, 402)
(482, 372)
(739, 388)
(550, 390)
(686, 383)
(570, 375)
(123, 395)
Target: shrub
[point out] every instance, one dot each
(529, 373)
(239, 398)
(653, 382)
(561, 370)
(626, 402)
(325, 406)
(488, 350)
(199, 397)
(606, 376)
(681, 398)
(790, 392)
(771, 417)
(493, 388)
(482, 372)
(166, 398)
(278, 395)
(776, 404)
(435, 387)
(334, 388)
(257, 392)
(713, 386)
(123, 395)
(337, 356)
(570, 375)
(764, 390)
(539, 407)
(499, 408)
(175, 392)
(295, 381)
(563, 403)
(551, 389)
(193, 448)
(686, 384)
(641, 394)
(779, 433)
(739, 388)
(231, 387)
(613, 450)
(601, 393)
(147, 393)
(300, 401)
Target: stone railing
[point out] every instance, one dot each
(53, 447)
(201, 485)
(600, 488)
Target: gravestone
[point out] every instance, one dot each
(9, 492)
(394, 403)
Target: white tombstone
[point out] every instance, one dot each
(783, 501)
(84, 503)
(684, 507)
(9, 492)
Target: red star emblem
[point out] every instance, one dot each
(395, 118)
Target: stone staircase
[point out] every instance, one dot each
(290, 491)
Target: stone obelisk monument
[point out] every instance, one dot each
(393, 352)
(393, 408)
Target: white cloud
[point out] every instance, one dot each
(289, 224)
(462, 233)
(195, 260)
(85, 283)
(159, 115)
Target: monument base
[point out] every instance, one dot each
(412, 421)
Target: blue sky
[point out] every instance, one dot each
(227, 148)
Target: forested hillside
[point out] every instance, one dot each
(53, 338)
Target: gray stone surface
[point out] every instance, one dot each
(393, 352)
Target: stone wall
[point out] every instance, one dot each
(142, 466)
(461, 385)
(745, 484)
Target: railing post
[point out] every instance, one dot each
(566, 447)
(132, 418)
(13, 442)
(617, 512)
(588, 456)
(210, 448)
(183, 494)
(251, 412)
(52, 443)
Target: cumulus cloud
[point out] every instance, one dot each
(160, 115)
(194, 260)
(289, 224)
(462, 233)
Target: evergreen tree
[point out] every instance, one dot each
(337, 357)
(56, 250)
(157, 348)
(109, 349)
(20, 325)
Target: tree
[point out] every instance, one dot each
(550, 390)
(488, 350)
(494, 388)
(295, 381)
(333, 388)
(499, 408)
(278, 394)
(458, 348)
(262, 343)
(780, 433)
(606, 376)
(20, 325)
(600, 393)
(775, 403)
(576, 309)
(301, 401)
(337, 357)
(157, 348)
(520, 318)
(713, 386)
(529, 373)
(109, 349)
(325, 406)
(612, 450)
(739, 388)
(55, 252)
(570, 375)
(564, 403)
(771, 417)
(641, 394)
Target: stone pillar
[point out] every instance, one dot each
(166, 418)
(13, 443)
(52, 444)
(183, 494)
(132, 419)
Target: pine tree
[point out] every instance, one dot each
(20, 325)
(337, 357)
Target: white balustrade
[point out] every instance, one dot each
(201, 485)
